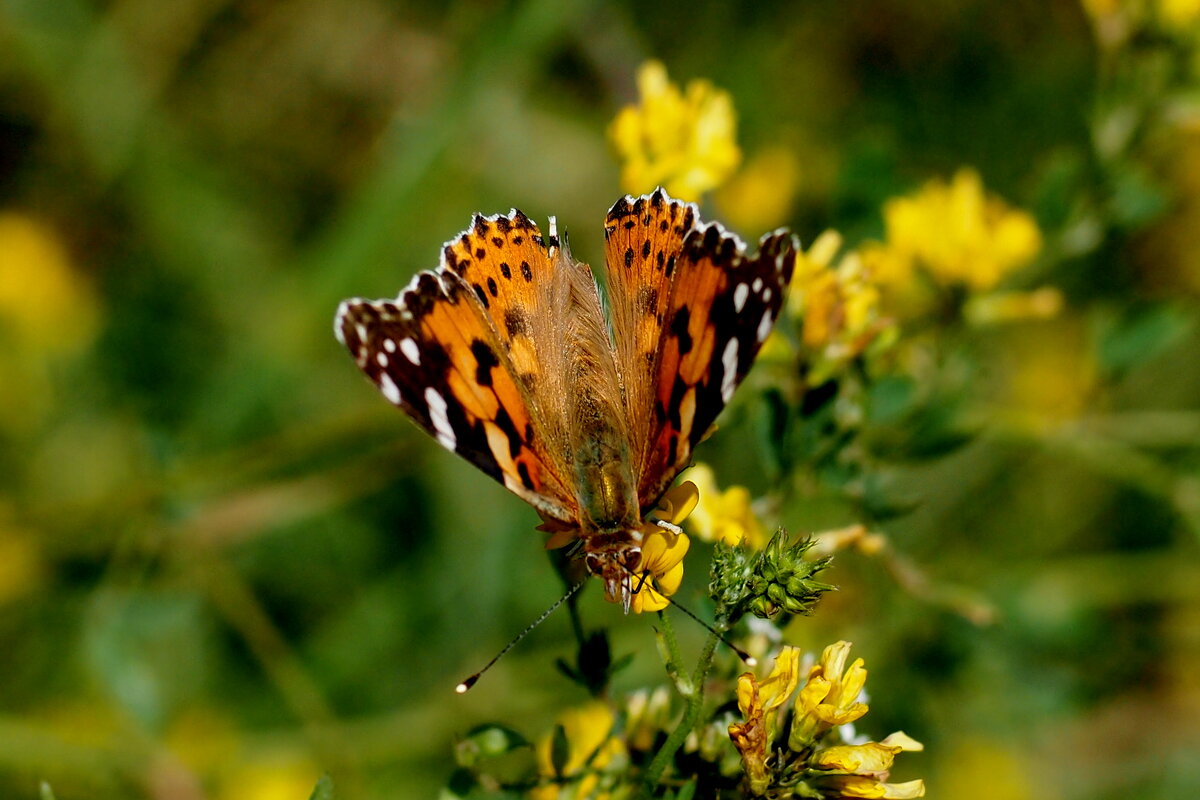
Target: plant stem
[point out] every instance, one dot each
(695, 700)
(673, 658)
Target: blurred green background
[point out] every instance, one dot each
(227, 565)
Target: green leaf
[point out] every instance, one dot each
(560, 751)
(1133, 338)
(323, 790)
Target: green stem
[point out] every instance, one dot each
(695, 700)
(673, 658)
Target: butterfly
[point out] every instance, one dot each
(507, 355)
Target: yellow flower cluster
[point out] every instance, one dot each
(837, 306)
(684, 141)
(955, 234)
(828, 698)
(592, 751)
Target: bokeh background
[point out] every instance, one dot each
(228, 566)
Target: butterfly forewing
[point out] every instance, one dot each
(434, 353)
(643, 239)
(687, 333)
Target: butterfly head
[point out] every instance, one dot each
(618, 569)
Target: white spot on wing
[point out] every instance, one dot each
(382, 359)
(411, 351)
(739, 296)
(767, 295)
(758, 284)
(764, 327)
(343, 309)
(389, 345)
(389, 388)
(441, 423)
(729, 360)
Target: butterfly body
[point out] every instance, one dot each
(506, 356)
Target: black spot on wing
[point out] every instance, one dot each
(679, 327)
(485, 362)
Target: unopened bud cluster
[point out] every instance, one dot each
(779, 578)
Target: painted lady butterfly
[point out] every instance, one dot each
(506, 356)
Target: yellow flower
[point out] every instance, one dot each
(22, 566)
(837, 306)
(872, 758)
(663, 550)
(839, 786)
(750, 737)
(44, 303)
(958, 234)
(684, 142)
(996, 307)
(724, 516)
(1181, 16)
(759, 198)
(272, 777)
(591, 749)
(829, 698)
(757, 701)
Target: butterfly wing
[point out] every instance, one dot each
(436, 353)
(690, 311)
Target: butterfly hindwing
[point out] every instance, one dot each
(434, 353)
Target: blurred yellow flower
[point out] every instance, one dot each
(957, 234)
(759, 198)
(646, 715)
(990, 770)
(45, 305)
(989, 309)
(724, 516)
(22, 567)
(591, 749)
(1180, 15)
(836, 306)
(276, 776)
(684, 142)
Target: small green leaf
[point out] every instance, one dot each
(323, 790)
(560, 751)
(1138, 335)
(460, 785)
(687, 791)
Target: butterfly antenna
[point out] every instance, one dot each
(750, 660)
(464, 686)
